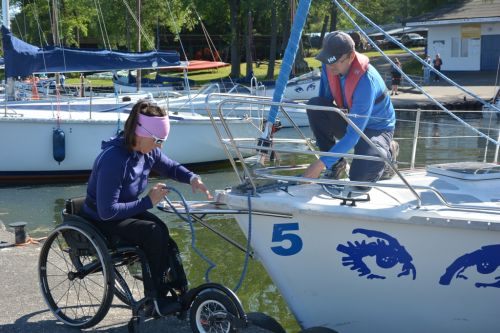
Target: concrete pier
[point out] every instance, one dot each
(23, 309)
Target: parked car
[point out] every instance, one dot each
(413, 40)
(385, 43)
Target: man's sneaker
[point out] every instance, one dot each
(388, 171)
(337, 171)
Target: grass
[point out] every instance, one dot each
(259, 70)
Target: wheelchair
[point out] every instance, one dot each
(80, 270)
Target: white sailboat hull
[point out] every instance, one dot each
(27, 146)
(384, 265)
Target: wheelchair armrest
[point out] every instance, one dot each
(74, 205)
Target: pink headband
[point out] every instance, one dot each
(157, 126)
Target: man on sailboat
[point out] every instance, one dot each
(350, 82)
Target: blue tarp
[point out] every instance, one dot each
(23, 59)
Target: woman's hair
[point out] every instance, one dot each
(146, 108)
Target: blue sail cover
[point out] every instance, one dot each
(23, 59)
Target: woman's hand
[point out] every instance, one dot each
(197, 185)
(157, 193)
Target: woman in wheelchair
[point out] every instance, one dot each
(115, 206)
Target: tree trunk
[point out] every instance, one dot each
(301, 66)
(333, 22)
(249, 69)
(323, 30)
(274, 37)
(234, 6)
(285, 28)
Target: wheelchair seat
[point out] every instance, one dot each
(73, 210)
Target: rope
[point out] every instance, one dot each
(211, 264)
(99, 11)
(177, 33)
(30, 240)
(421, 61)
(141, 31)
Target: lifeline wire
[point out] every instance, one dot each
(211, 264)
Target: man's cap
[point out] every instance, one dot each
(335, 45)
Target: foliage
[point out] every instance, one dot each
(112, 23)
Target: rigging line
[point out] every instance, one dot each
(19, 28)
(100, 24)
(50, 14)
(403, 73)
(207, 36)
(104, 24)
(139, 26)
(40, 33)
(186, 80)
(177, 32)
(24, 17)
(410, 52)
(209, 39)
(59, 41)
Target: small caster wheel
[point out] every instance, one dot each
(264, 321)
(133, 325)
(212, 311)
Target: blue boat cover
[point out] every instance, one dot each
(23, 59)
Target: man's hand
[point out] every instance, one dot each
(197, 185)
(157, 193)
(314, 170)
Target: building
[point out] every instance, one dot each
(466, 34)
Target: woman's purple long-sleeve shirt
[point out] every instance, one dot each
(120, 176)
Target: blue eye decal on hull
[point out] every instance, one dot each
(486, 260)
(312, 86)
(386, 250)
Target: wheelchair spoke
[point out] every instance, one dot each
(76, 275)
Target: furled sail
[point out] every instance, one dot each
(23, 59)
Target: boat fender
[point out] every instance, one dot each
(58, 145)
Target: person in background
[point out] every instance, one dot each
(396, 77)
(427, 70)
(349, 81)
(62, 79)
(115, 203)
(437, 63)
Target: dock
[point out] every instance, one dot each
(24, 310)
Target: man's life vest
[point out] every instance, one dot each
(359, 66)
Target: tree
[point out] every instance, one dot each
(274, 38)
(234, 6)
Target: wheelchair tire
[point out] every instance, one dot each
(76, 282)
(128, 275)
(264, 321)
(209, 313)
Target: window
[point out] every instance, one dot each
(464, 48)
(454, 47)
(459, 47)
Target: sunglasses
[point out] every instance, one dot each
(158, 140)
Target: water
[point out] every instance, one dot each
(41, 207)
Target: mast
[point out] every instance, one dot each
(9, 84)
(55, 31)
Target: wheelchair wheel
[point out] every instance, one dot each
(76, 276)
(128, 278)
(212, 311)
